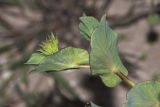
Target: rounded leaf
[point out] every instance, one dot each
(145, 94)
(67, 58)
(87, 26)
(104, 57)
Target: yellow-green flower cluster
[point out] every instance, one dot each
(50, 46)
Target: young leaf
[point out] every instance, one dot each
(145, 94)
(50, 46)
(67, 58)
(104, 58)
(36, 58)
(87, 26)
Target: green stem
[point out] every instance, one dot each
(125, 79)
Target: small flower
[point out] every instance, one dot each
(50, 46)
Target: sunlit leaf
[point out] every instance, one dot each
(65, 59)
(145, 94)
(50, 46)
(104, 57)
(36, 58)
(87, 26)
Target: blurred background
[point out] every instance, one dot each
(25, 23)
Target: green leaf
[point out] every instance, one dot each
(36, 58)
(50, 46)
(104, 57)
(145, 94)
(87, 26)
(67, 58)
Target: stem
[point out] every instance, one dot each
(125, 79)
